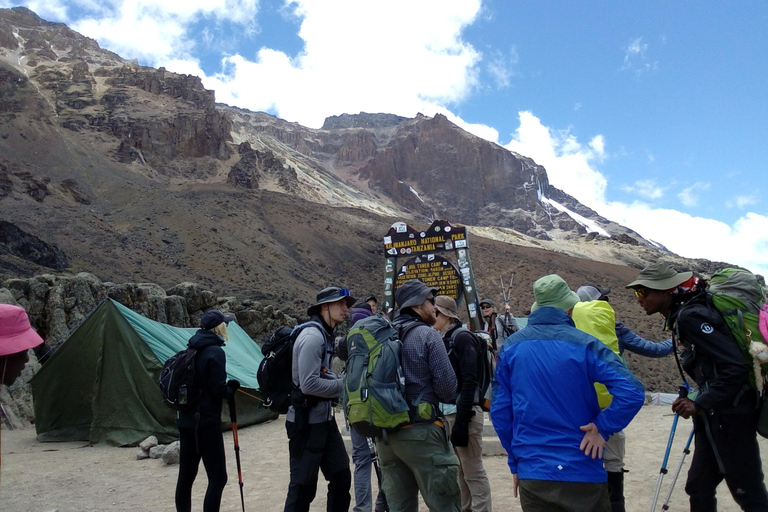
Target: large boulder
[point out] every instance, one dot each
(196, 298)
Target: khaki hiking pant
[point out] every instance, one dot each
(473, 481)
(420, 459)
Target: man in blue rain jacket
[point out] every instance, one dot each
(545, 410)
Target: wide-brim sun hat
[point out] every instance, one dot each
(660, 276)
(553, 291)
(413, 292)
(328, 295)
(16, 333)
(447, 306)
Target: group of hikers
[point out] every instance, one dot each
(562, 395)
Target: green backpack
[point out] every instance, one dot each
(374, 385)
(738, 296)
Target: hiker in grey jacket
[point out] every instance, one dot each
(315, 443)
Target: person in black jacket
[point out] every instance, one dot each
(726, 407)
(464, 416)
(200, 429)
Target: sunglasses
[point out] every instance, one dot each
(485, 306)
(431, 300)
(640, 293)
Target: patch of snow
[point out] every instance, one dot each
(591, 225)
(415, 193)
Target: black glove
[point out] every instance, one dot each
(460, 434)
(233, 384)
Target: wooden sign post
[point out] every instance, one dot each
(412, 254)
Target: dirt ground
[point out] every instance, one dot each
(63, 477)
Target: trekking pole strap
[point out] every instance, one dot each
(677, 358)
(711, 439)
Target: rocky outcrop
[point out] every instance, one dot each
(17, 242)
(16, 399)
(431, 165)
(23, 182)
(73, 189)
(90, 88)
(255, 165)
(362, 120)
(188, 127)
(58, 304)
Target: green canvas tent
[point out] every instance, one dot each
(101, 384)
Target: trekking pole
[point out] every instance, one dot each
(375, 455)
(6, 417)
(505, 293)
(233, 419)
(377, 469)
(682, 392)
(686, 451)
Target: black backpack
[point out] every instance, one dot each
(177, 381)
(487, 365)
(275, 371)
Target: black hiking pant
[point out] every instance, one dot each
(210, 448)
(317, 447)
(736, 442)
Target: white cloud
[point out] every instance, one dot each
(499, 70)
(46, 9)
(598, 146)
(689, 195)
(157, 31)
(647, 189)
(351, 62)
(635, 58)
(741, 202)
(744, 243)
(500, 67)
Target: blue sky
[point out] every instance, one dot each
(653, 113)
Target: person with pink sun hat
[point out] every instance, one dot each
(16, 338)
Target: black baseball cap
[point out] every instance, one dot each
(214, 317)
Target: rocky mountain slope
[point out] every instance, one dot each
(136, 175)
